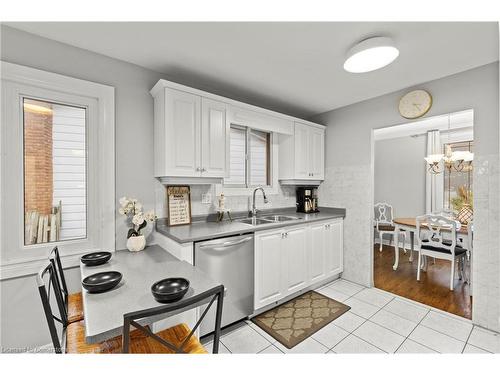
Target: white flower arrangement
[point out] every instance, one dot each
(132, 209)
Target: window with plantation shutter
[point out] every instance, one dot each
(249, 163)
(237, 157)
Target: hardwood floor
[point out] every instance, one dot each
(433, 287)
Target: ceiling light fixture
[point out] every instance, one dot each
(460, 161)
(371, 54)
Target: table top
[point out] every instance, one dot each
(412, 222)
(104, 311)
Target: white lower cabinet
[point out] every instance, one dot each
(268, 265)
(292, 258)
(317, 253)
(334, 247)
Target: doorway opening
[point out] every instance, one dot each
(405, 189)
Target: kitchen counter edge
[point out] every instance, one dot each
(200, 231)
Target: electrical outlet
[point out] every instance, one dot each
(206, 198)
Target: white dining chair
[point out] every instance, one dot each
(384, 223)
(437, 237)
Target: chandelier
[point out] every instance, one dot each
(460, 161)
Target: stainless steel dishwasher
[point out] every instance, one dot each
(228, 260)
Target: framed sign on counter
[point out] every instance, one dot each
(178, 205)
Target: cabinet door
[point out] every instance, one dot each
(302, 151)
(268, 265)
(183, 138)
(214, 138)
(317, 153)
(317, 253)
(334, 247)
(295, 259)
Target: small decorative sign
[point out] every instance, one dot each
(178, 205)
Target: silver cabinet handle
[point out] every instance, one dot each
(198, 169)
(203, 169)
(223, 245)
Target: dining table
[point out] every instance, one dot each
(409, 225)
(104, 312)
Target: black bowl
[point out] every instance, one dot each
(170, 290)
(102, 281)
(95, 259)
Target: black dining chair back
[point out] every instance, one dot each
(48, 282)
(54, 255)
(73, 307)
(210, 296)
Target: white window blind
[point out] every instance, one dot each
(259, 145)
(237, 154)
(249, 157)
(68, 149)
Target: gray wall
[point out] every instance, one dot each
(20, 303)
(349, 176)
(400, 174)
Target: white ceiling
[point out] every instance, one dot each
(294, 68)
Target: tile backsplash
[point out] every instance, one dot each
(284, 198)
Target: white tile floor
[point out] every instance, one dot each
(378, 322)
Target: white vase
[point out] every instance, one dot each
(136, 243)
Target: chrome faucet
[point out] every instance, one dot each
(254, 210)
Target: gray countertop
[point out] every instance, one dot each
(104, 311)
(203, 230)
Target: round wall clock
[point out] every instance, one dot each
(415, 104)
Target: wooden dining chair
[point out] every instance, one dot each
(73, 301)
(384, 224)
(70, 337)
(66, 337)
(437, 237)
(179, 339)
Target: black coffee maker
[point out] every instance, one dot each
(307, 199)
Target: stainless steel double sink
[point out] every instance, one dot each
(268, 219)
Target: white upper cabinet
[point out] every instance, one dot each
(191, 135)
(316, 153)
(302, 152)
(182, 134)
(302, 156)
(214, 138)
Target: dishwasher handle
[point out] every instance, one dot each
(223, 245)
